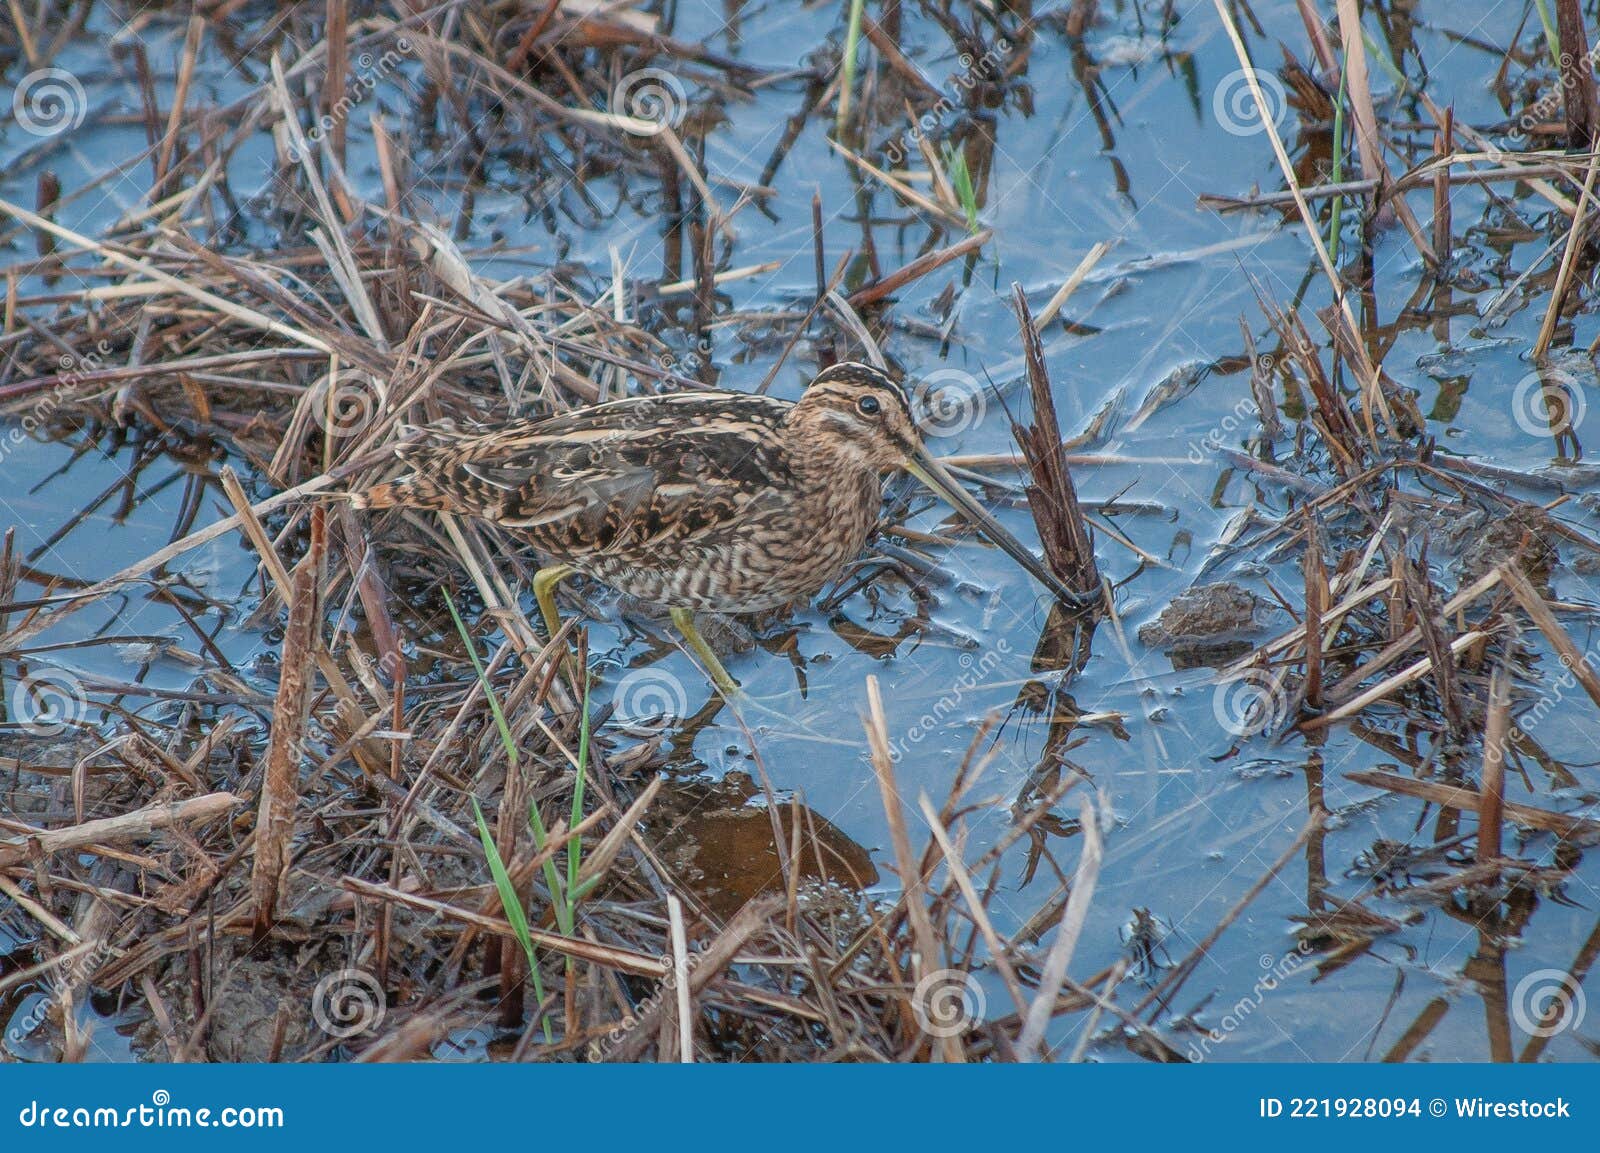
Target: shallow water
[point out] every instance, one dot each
(1192, 816)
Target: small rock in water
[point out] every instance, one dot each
(1205, 624)
(1524, 536)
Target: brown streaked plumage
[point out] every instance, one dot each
(700, 501)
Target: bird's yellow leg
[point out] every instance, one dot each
(683, 619)
(544, 591)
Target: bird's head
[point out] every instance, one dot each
(862, 414)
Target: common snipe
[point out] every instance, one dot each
(710, 501)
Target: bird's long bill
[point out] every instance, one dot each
(921, 464)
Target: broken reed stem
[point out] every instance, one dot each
(1496, 729)
(1567, 826)
(1052, 495)
(894, 815)
(180, 98)
(818, 247)
(110, 830)
(280, 792)
(1417, 585)
(1443, 146)
(1317, 600)
(917, 269)
(680, 972)
(1030, 1042)
(1580, 664)
(336, 33)
(1064, 293)
(1410, 674)
(1569, 258)
(1577, 76)
(1358, 92)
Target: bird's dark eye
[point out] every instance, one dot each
(868, 406)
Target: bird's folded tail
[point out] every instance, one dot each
(415, 489)
(407, 492)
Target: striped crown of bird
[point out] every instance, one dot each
(698, 501)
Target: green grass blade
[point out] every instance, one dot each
(483, 679)
(1334, 217)
(552, 876)
(955, 163)
(1552, 38)
(1376, 51)
(575, 846)
(852, 41)
(512, 904)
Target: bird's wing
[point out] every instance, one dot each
(621, 475)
